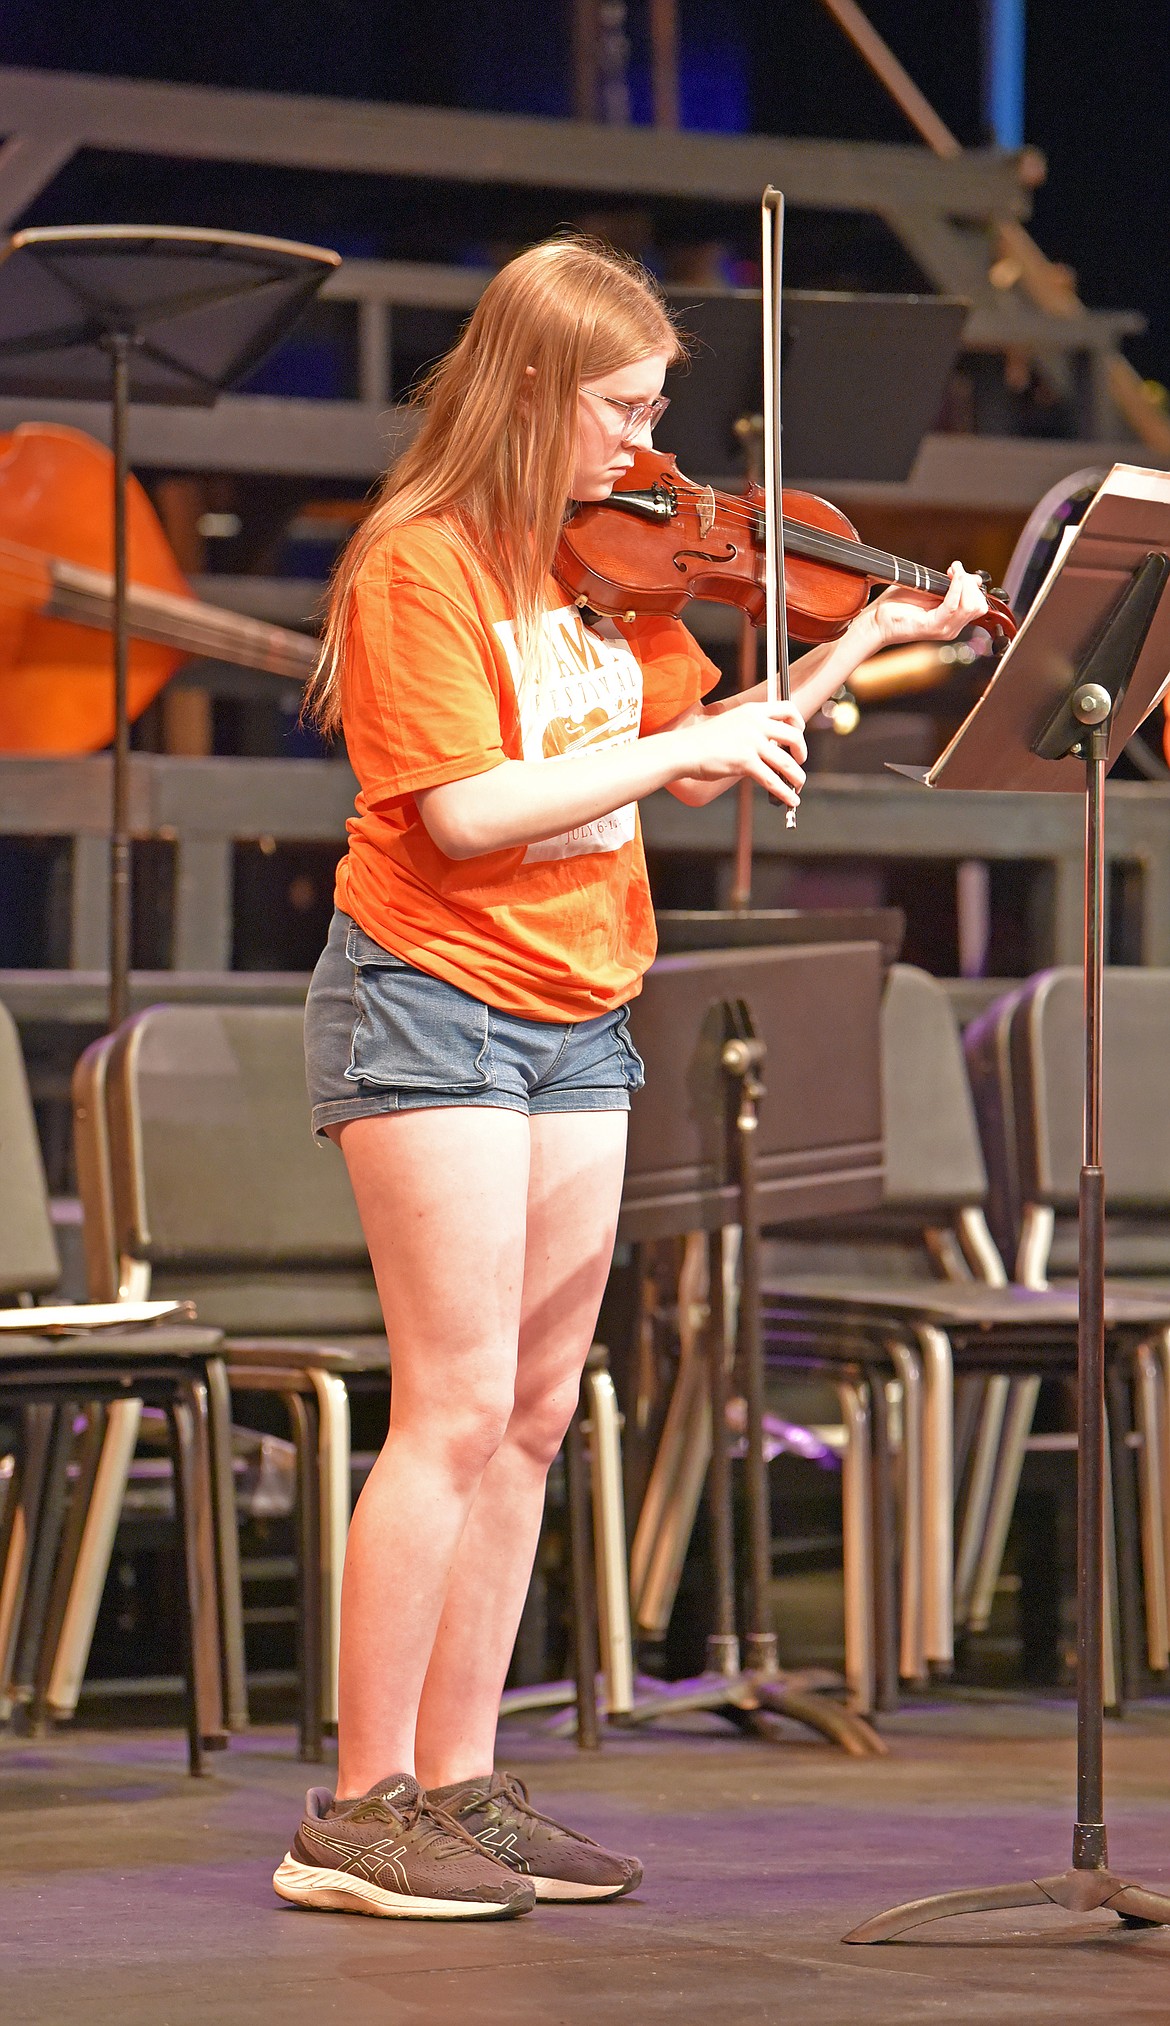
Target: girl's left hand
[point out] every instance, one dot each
(900, 616)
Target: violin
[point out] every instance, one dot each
(57, 596)
(666, 540)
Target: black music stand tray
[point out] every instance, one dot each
(842, 352)
(164, 313)
(1088, 665)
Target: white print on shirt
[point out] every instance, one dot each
(588, 694)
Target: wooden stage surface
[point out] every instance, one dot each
(133, 1896)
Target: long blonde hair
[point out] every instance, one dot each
(495, 450)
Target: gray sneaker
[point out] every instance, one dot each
(561, 1863)
(394, 1853)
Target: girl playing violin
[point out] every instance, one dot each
(467, 1040)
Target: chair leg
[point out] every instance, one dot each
(980, 1485)
(302, 1408)
(334, 1495)
(1114, 1670)
(664, 1572)
(857, 1529)
(1148, 1416)
(89, 1457)
(1021, 1411)
(181, 1421)
(20, 1532)
(229, 1587)
(970, 1398)
(938, 1497)
(584, 1585)
(885, 1555)
(911, 1654)
(1126, 1559)
(45, 1542)
(93, 1558)
(609, 1535)
(209, 1662)
(675, 1485)
(1161, 1349)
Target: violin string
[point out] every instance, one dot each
(821, 545)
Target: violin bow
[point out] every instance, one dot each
(775, 604)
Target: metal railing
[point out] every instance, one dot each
(206, 808)
(942, 211)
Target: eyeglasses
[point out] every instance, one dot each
(635, 415)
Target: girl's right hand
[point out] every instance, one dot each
(761, 742)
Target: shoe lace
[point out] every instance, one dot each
(508, 1795)
(436, 1833)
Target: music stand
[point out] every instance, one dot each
(161, 313)
(694, 1165)
(841, 354)
(1088, 664)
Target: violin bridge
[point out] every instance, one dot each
(705, 507)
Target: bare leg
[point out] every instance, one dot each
(578, 1160)
(442, 1197)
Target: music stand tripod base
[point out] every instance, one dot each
(1075, 1891)
(748, 1699)
(1086, 668)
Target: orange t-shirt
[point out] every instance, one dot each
(559, 930)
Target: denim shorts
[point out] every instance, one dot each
(382, 1036)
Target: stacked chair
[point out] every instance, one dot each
(1025, 1061)
(200, 1183)
(929, 1230)
(70, 1380)
(916, 1293)
(199, 1179)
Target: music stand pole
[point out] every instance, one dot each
(1080, 727)
(1089, 1840)
(118, 343)
(743, 1059)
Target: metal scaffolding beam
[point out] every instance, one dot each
(73, 111)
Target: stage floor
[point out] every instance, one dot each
(135, 1896)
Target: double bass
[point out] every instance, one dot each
(56, 600)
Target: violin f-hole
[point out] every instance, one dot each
(703, 556)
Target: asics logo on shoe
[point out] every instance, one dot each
(371, 1863)
(503, 1847)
